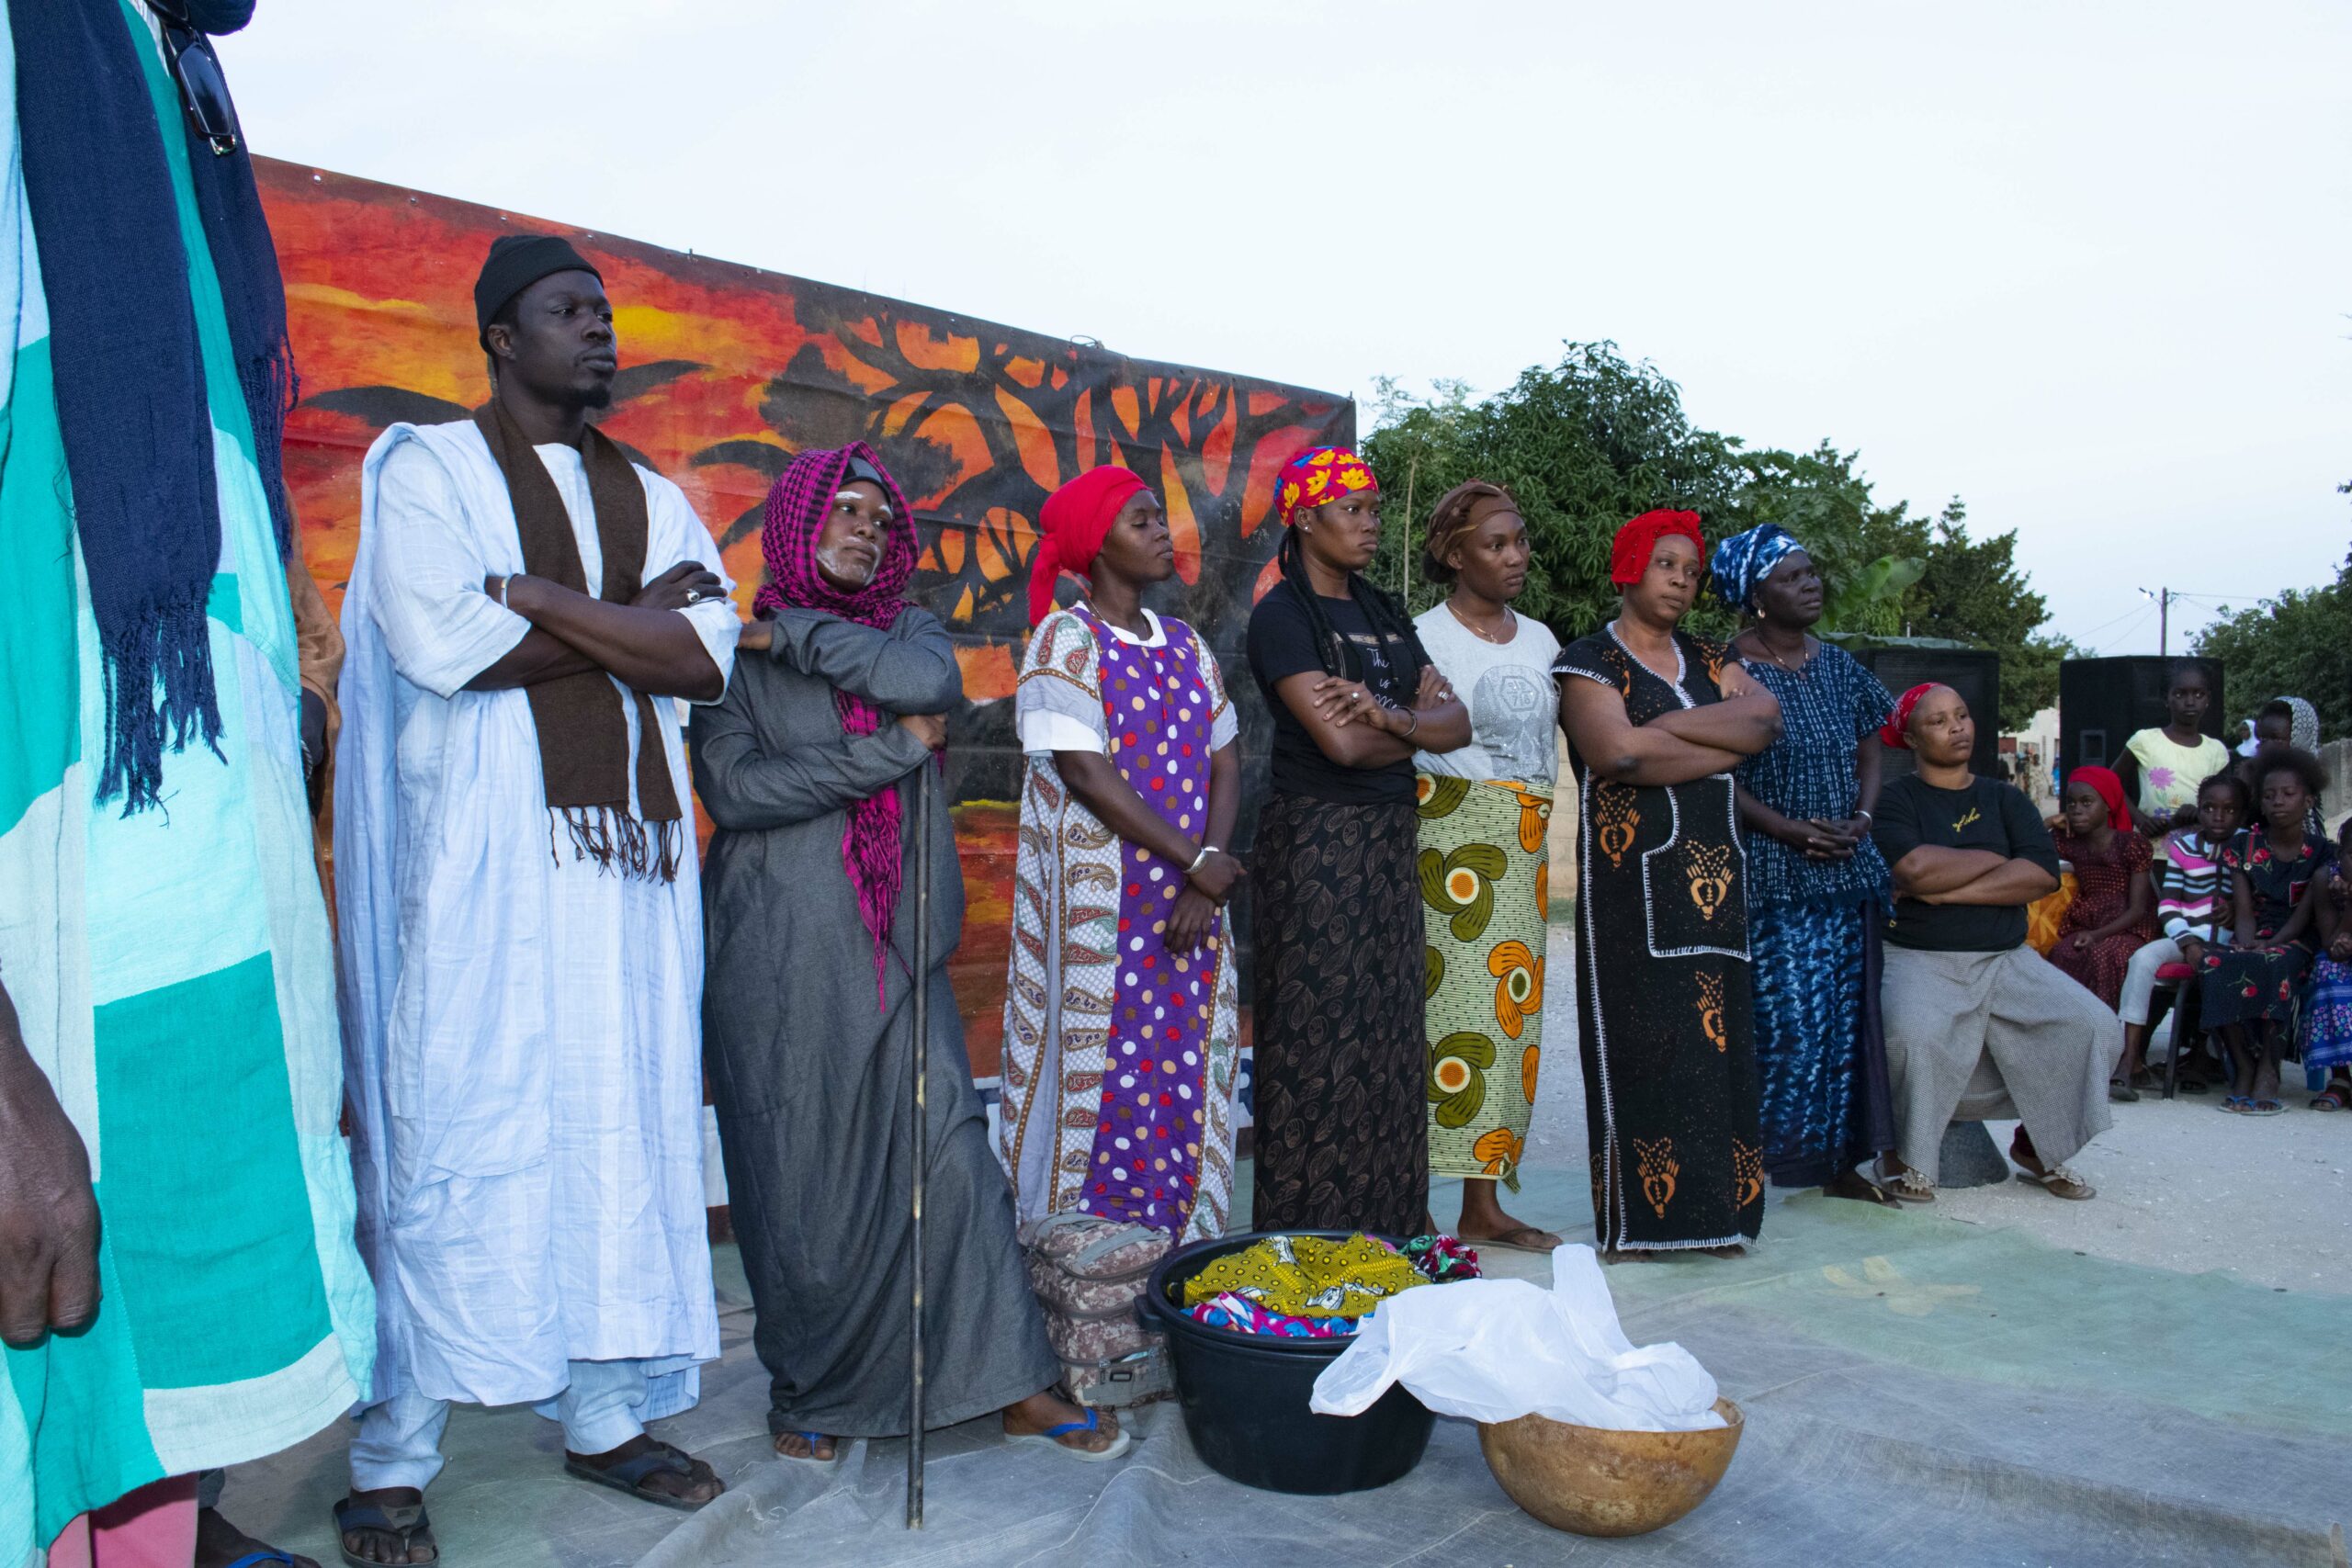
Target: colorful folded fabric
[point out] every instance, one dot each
(1308, 1276)
(1441, 1259)
(1245, 1316)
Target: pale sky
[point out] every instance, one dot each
(2081, 265)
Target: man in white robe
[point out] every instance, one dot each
(522, 967)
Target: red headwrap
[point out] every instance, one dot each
(1630, 556)
(1892, 732)
(1074, 521)
(2110, 790)
(1325, 474)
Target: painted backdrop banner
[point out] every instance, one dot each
(727, 371)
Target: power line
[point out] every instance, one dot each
(2145, 611)
(2139, 610)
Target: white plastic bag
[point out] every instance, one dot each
(1497, 1350)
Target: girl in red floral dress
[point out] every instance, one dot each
(2113, 912)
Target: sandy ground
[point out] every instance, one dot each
(2181, 1185)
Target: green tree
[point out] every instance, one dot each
(1582, 446)
(1869, 555)
(2298, 643)
(1973, 591)
(1588, 442)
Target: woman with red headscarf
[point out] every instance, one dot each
(2113, 912)
(1341, 1067)
(809, 767)
(1119, 1017)
(1657, 721)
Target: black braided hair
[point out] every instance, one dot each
(1380, 608)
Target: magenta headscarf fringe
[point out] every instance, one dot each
(797, 505)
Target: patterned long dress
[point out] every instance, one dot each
(1119, 1053)
(1814, 928)
(2244, 985)
(2102, 892)
(1663, 1005)
(1484, 874)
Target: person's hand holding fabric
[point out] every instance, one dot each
(48, 1214)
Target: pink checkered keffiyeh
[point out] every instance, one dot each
(797, 505)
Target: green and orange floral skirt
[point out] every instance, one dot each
(1485, 880)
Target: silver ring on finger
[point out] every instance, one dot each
(693, 595)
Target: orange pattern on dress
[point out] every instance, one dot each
(1534, 818)
(1518, 985)
(1711, 1011)
(1501, 1149)
(1709, 868)
(1655, 1163)
(1614, 820)
(1747, 1174)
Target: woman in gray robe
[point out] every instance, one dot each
(810, 767)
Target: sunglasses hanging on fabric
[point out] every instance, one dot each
(204, 88)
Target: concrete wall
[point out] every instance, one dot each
(2337, 802)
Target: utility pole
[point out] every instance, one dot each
(2163, 596)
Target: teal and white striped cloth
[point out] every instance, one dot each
(174, 973)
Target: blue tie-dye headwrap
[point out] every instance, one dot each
(1745, 560)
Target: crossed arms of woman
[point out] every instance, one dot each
(1674, 747)
(908, 671)
(1934, 874)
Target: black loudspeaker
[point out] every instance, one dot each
(2102, 701)
(1975, 674)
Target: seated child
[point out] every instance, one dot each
(2193, 912)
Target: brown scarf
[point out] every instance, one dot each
(583, 735)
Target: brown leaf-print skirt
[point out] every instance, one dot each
(1340, 1117)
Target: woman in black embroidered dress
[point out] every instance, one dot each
(1657, 720)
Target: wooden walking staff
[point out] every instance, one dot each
(921, 1004)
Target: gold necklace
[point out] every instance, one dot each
(1510, 618)
(1796, 668)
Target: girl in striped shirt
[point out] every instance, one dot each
(2192, 911)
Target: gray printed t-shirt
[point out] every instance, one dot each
(1514, 701)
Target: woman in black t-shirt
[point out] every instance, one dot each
(1339, 1119)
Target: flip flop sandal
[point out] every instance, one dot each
(1909, 1188)
(1509, 1245)
(2121, 1093)
(404, 1522)
(1051, 1438)
(630, 1475)
(2328, 1099)
(811, 1457)
(2263, 1107)
(1871, 1191)
(268, 1554)
(2236, 1104)
(2060, 1182)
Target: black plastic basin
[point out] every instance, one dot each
(1245, 1395)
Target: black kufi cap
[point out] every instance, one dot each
(515, 261)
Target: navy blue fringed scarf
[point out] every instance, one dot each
(129, 374)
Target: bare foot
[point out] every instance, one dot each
(805, 1445)
(1482, 1220)
(219, 1543)
(1041, 1412)
(413, 1546)
(699, 1484)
